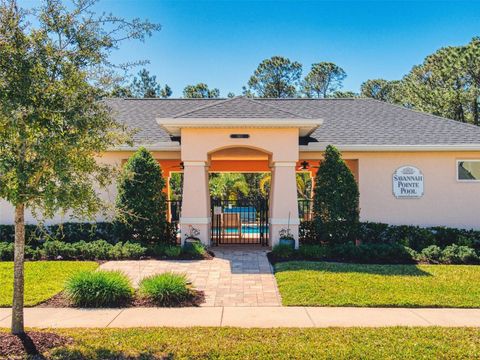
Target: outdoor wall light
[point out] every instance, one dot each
(304, 165)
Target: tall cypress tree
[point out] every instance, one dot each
(141, 201)
(336, 200)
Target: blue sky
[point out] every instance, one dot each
(222, 42)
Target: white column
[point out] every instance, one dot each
(284, 203)
(195, 201)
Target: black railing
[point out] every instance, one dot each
(240, 221)
(305, 209)
(174, 208)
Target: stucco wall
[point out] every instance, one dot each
(109, 194)
(445, 202)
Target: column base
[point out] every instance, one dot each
(202, 225)
(275, 229)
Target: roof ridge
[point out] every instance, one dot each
(203, 107)
(276, 108)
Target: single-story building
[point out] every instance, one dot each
(412, 168)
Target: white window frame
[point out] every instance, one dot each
(465, 180)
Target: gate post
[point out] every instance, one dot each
(284, 203)
(195, 201)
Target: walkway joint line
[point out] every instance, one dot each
(221, 316)
(114, 318)
(420, 316)
(309, 316)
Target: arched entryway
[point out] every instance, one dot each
(239, 196)
(239, 149)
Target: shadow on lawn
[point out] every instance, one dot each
(334, 267)
(102, 353)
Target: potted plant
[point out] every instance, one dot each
(286, 238)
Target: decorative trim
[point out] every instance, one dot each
(194, 220)
(284, 164)
(394, 148)
(194, 163)
(174, 125)
(284, 221)
(162, 146)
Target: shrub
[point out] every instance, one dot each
(313, 252)
(336, 200)
(53, 249)
(373, 253)
(455, 254)
(194, 249)
(165, 289)
(132, 250)
(283, 252)
(141, 202)
(162, 250)
(73, 232)
(6, 251)
(99, 289)
(173, 251)
(431, 254)
(307, 233)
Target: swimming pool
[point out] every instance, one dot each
(246, 229)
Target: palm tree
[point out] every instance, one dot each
(227, 186)
(304, 184)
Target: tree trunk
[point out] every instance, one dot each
(18, 277)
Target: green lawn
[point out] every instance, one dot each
(335, 284)
(234, 343)
(43, 279)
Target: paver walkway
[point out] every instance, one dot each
(266, 317)
(237, 276)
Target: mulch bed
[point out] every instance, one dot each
(61, 301)
(35, 342)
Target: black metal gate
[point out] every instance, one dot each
(240, 222)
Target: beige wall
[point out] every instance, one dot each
(445, 202)
(109, 194)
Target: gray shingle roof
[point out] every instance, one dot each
(346, 121)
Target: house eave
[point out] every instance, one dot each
(393, 148)
(174, 125)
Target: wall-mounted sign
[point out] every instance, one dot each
(408, 182)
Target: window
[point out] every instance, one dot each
(468, 170)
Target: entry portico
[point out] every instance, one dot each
(240, 139)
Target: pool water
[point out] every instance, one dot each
(247, 229)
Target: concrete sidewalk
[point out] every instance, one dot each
(265, 317)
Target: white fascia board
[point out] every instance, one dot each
(393, 148)
(174, 125)
(163, 146)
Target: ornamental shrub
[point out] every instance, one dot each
(431, 254)
(99, 289)
(455, 254)
(313, 252)
(283, 252)
(336, 200)
(165, 289)
(141, 201)
(6, 251)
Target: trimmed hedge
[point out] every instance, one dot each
(68, 232)
(414, 237)
(81, 250)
